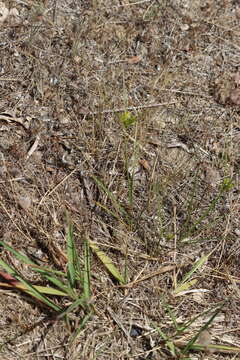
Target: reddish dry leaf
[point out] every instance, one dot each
(9, 278)
(134, 60)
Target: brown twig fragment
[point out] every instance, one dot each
(128, 108)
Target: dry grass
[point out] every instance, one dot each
(149, 194)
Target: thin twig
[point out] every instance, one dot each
(128, 108)
(10, 79)
(9, 119)
(120, 325)
(33, 147)
(49, 192)
(162, 270)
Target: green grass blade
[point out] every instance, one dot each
(29, 288)
(71, 255)
(79, 302)
(81, 326)
(87, 265)
(58, 283)
(204, 327)
(120, 209)
(110, 212)
(22, 258)
(49, 290)
(38, 295)
(188, 323)
(172, 316)
(169, 343)
(42, 271)
(224, 187)
(183, 285)
(107, 262)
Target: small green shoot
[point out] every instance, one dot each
(71, 255)
(127, 119)
(86, 276)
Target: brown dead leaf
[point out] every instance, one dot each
(134, 60)
(25, 202)
(235, 96)
(212, 175)
(237, 12)
(204, 338)
(236, 78)
(144, 163)
(4, 12)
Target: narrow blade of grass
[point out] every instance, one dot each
(183, 285)
(79, 302)
(187, 324)
(224, 187)
(107, 263)
(169, 343)
(71, 255)
(58, 283)
(225, 349)
(108, 211)
(29, 288)
(204, 327)
(24, 259)
(81, 326)
(120, 209)
(48, 290)
(86, 277)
